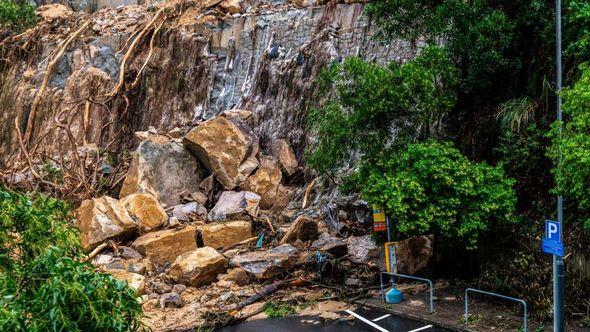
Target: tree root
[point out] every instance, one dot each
(48, 72)
(139, 37)
(149, 56)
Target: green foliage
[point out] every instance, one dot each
(475, 34)
(367, 102)
(570, 150)
(28, 227)
(43, 286)
(16, 16)
(432, 187)
(274, 309)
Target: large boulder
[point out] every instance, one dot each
(330, 244)
(283, 153)
(303, 228)
(266, 182)
(101, 219)
(162, 168)
(145, 210)
(198, 267)
(164, 246)
(223, 234)
(235, 205)
(269, 263)
(226, 148)
(413, 254)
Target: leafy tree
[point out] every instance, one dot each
(43, 285)
(431, 187)
(570, 150)
(370, 106)
(16, 16)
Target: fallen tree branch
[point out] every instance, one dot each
(48, 72)
(268, 290)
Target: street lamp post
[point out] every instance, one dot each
(558, 267)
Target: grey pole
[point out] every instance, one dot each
(558, 270)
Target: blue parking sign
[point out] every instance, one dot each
(551, 243)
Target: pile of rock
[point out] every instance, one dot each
(187, 199)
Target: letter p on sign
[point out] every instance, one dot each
(552, 230)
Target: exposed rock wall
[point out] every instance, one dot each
(266, 61)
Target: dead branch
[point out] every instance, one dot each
(48, 72)
(117, 87)
(24, 149)
(150, 53)
(96, 251)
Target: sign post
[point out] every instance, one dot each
(552, 244)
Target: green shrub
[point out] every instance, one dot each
(274, 309)
(43, 285)
(368, 105)
(16, 16)
(431, 187)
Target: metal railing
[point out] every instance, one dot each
(503, 297)
(408, 277)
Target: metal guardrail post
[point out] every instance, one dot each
(503, 297)
(428, 281)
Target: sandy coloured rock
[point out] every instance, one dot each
(145, 210)
(164, 246)
(413, 254)
(224, 147)
(101, 219)
(266, 182)
(235, 205)
(283, 153)
(198, 267)
(225, 233)
(162, 168)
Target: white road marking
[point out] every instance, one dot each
(364, 320)
(422, 328)
(380, 318)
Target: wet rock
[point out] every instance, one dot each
(162, 168)
(226, 148)
(145, 210)
(413, 254)
(238, 113)
(353, 282)
(283, 153)
(101, 219)
(267, 264)
(179, 288)
(362, 250)
(235, 205)
(199, 197)
(266, 182)
(303, 228)
(331, 244)
(129, 253)
(164, 246)
(134, 280)
(207, 185)
(198, 267)
(171, 300)
(160, 287)
(223, 234)
(189, 211)
(238, 276)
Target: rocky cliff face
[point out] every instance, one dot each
(192, 62)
